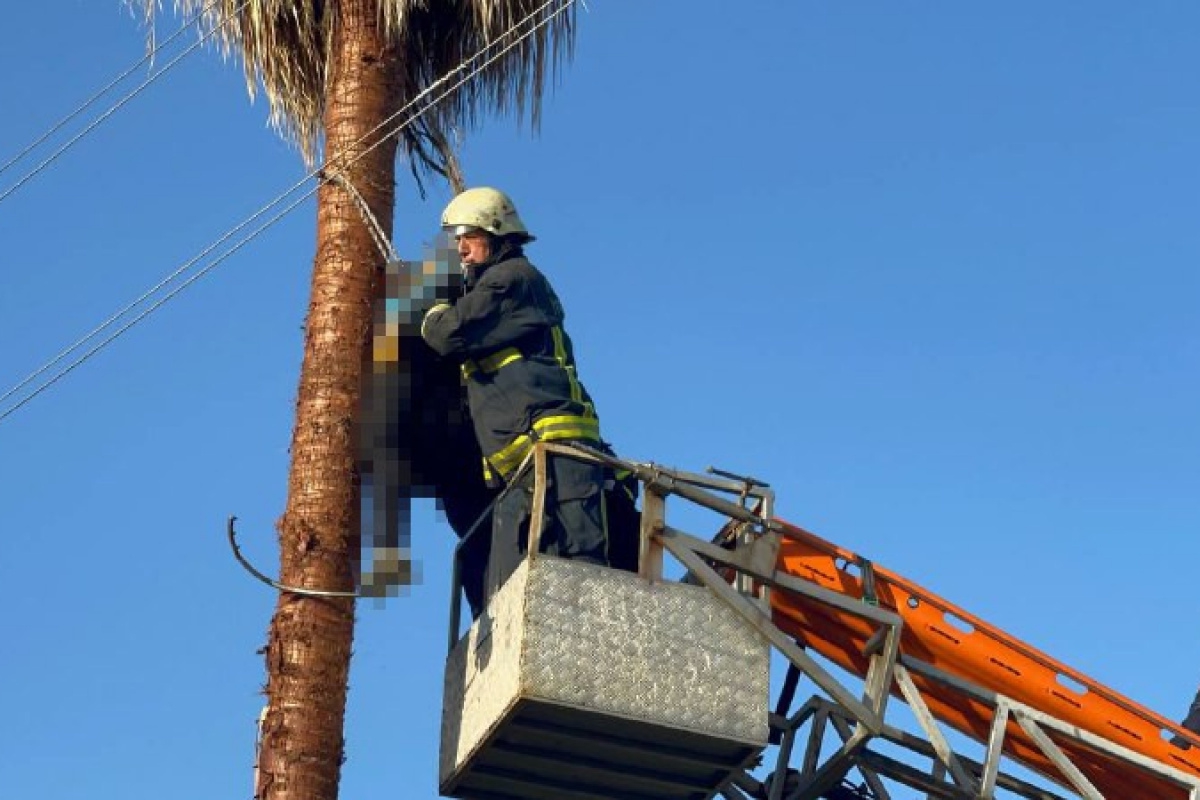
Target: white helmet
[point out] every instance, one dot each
(487, 209)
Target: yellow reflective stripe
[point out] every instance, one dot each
(498, 359)
(511, 456)
(571, 432)
(565, 426)
(546, 429)
(560, 355)
(432, 314)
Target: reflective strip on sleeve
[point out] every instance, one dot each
(431, 314)
(492, 363)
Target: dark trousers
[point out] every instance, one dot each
(575, 523)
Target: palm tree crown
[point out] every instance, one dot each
(284, 46)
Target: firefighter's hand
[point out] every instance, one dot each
(434, 313)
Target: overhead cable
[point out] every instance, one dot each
(149, 56)
(50, 159)
(280, 198)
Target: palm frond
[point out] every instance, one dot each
(284, 44)
(441, 34)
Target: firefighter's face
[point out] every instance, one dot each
(474, 248)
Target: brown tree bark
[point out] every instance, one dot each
(309, 642)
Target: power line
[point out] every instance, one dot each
(149, 56)
(42, 387)
(46, 162)
(155, 305)
(152, 290)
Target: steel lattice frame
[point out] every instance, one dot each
(856, 716)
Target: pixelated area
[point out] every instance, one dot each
(415, 435)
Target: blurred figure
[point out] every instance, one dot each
(416, 438)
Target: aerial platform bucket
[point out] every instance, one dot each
(583, 682)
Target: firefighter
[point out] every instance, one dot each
(507, 333)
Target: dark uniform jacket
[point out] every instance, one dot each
(517, 362)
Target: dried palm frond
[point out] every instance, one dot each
(283, 45)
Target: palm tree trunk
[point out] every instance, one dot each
(308, 646)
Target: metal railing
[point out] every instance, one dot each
(739, 565)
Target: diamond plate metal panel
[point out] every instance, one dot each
(668, 653)
(483, 674)
(606, 643)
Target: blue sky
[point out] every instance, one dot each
(929, 268)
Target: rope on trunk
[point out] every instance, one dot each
(377, 233)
